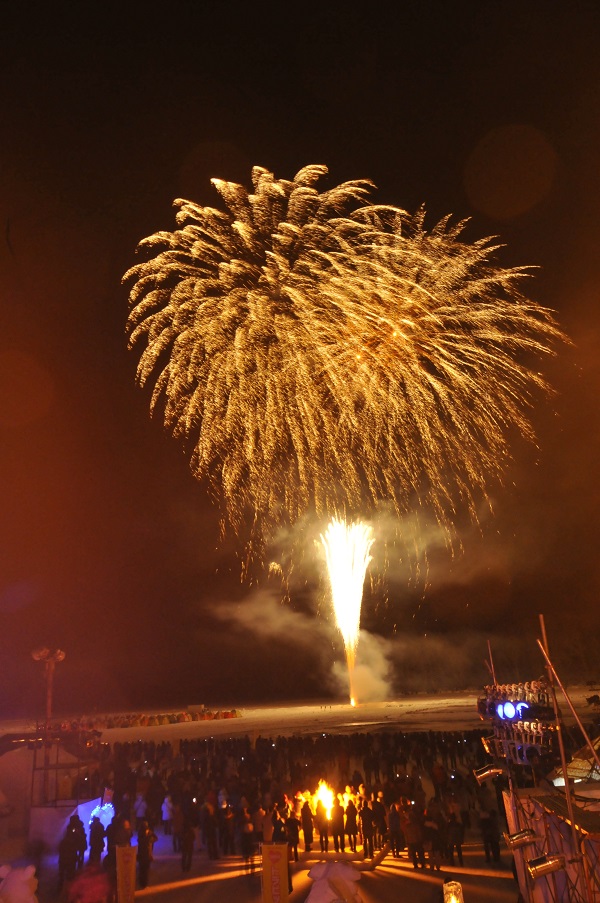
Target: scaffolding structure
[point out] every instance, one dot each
(58, 781)
(553, 833)
(541, 832)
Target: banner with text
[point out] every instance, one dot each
(275, 878)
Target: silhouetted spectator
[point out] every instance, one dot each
(336, 823)
(351, 824)
(187, 840)
(412, 825)
(292, 830)
(146, 840)
(97, 835)
(455, 836)
(322, 826)
(67, 859)
(367, 829)
(306, 818)
(395, 831)
(490, 835)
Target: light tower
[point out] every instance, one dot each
(49, 660)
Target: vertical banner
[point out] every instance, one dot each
(275, 875)
(126, 857)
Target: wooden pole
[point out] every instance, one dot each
(492, 670)
(576, 858)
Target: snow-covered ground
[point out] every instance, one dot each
(415, 713)
(446, 711)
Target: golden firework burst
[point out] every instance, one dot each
(321, 353)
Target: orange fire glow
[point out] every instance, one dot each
(326, 795)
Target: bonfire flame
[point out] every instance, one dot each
(326, 796)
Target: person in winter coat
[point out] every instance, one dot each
(367, 828)
(167, 814)
(187, 841)
(226, 819)
(379, 816)
(67, 859)
(337, 825)
(146, 840)
(262, 820)
(322, 826)
(351, 824)
(279, 832)
(490, 834)
(306, 818)
(395, 831)
(412, 825)
(247, 841)
(292, 829)
(455, 835)
(210, 825)
(140, 809)
(432, 842)
(177, 822)
(77, 829)
(97, 834)
(118, 834)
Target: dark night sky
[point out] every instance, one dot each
(108, 547)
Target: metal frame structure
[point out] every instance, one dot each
(553, 835)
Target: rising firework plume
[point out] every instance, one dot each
(318, 353)
(347, 548)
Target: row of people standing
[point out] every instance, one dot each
(364, 819)
(431, 835)
(180, 790)
(103, 845)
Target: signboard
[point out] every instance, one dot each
(126, 857)
(275, 874)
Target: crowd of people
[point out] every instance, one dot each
(224, 797)
(89, 724)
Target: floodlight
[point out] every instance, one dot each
(521, 838)
(489, 745)
(545, 865)
(485, 773)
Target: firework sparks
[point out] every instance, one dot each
(318, 353)
(347, 548)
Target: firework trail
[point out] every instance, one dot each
(318, 353)
(347, 548)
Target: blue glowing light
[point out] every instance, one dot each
(508, 710)
(105, 813)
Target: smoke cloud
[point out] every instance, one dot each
(263, 616)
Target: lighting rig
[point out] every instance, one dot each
(527, 735)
